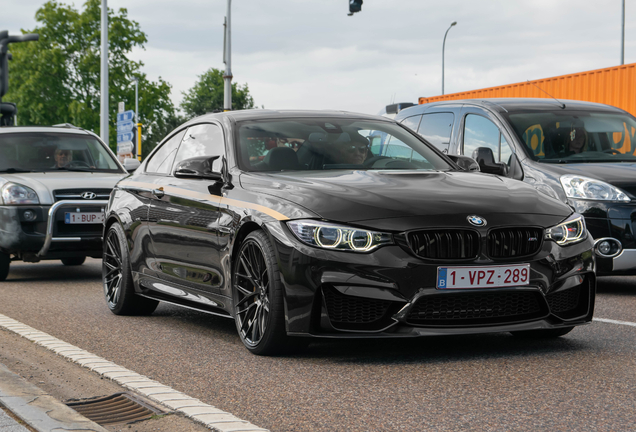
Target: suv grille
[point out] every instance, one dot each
(76, 194)
(476, 308)
(514, 242)
(444, 244)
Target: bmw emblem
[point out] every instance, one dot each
(476, 220)
(88, 195)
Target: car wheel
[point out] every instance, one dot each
(543, 334)
(117, 277)
(258, 297)
(5, 263)
(75, 261)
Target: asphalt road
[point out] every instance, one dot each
(583, 381)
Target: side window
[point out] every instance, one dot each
(412, 122)
(161, 161)
(481, 132)
(436, 128)
(202, 140)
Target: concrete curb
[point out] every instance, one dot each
(36, 408)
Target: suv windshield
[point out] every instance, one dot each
(330, 144)
(567, 136)
(51, 151)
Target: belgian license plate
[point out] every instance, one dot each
(84, 218)
(483, 277)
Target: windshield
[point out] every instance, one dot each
(51, 151)
(565, 136)
(331, 144)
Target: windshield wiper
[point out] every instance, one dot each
(82, 169)
(16, 170)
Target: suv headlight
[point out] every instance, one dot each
(588, 188)
(17, 194)
(338, 237)
(571, 231)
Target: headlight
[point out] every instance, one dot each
(571, 231)
(17, 194)
(330, 236)
(588, 188)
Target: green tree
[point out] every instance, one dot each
(207, 95)
(57, 80)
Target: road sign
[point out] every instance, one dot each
(125, 116)
(121, 107)
(125, 147)
(126, 126)
(122, 137)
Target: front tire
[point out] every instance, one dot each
(5, 263)
(258, 297)
(75, 261)
(119, 288)
(543, 334)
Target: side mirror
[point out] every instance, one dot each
(486, 161)
(131, 164)
(466, 163)
(198, 167)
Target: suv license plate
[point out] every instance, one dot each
(483, 277)
(84, 218)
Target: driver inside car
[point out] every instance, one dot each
(63, 157)
(347, 149)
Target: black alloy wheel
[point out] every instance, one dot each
(74, 261)
(258, 297)
(117, 279)
(5, 263)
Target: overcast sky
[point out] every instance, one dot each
(309, 54)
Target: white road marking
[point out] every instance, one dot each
(611, 321)
(192, 408)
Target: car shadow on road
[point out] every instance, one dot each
(439, 349)
(53, 271)
(617, 285)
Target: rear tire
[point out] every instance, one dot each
(75, 261)
(119, 288)
(5, 263)
(258, 298)
(543, 334)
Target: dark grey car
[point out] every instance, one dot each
(579, 152)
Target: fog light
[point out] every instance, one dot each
(29, 215)
(604, 247)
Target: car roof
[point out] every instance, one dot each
(263, 114)
(59, 129)
(519, 104)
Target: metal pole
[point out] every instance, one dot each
(227, 77)
(443, 47)
(623, 35)
(103, 119)
(136, 101)
(137, 124)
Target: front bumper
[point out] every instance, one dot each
(612, 220)
(392, 293)
(47, 236)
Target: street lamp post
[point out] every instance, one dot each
(227, 59)
(444, 46)
(103, 112)
(623, 34)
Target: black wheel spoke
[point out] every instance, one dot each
(112, 269)
(251, 290)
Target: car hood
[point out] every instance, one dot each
(619, 174)
(45, 183)
(439, 198)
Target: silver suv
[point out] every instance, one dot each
(54, 186)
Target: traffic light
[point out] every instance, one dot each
(354, 6)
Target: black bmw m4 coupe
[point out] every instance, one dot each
(307, 224)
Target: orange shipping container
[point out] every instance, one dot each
(612, 86)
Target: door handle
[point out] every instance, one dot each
(158, 192)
